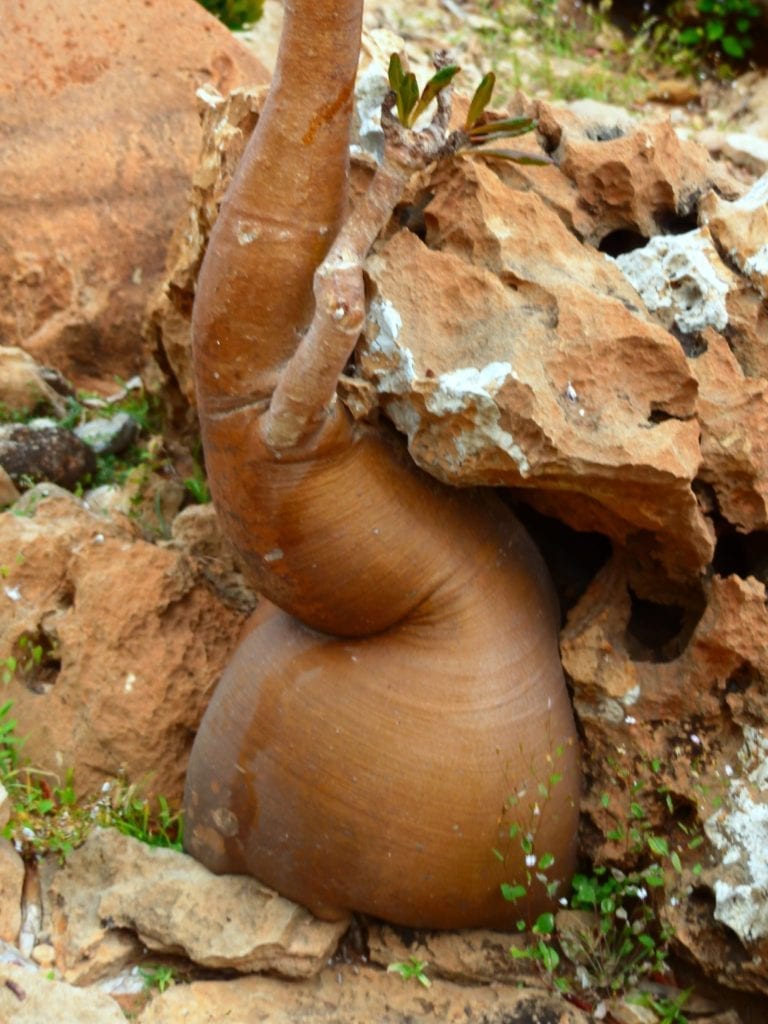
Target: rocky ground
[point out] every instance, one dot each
(631, 428)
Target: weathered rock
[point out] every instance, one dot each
(30, 997)
(11, 883)
(227, 124)
(113, 885)
(733, 413)
(23, 385)
(740, 229)
(196, 531)
(644, 181)
(91, 200)
(355, 995)
(133, 640)
(682, 279)
(30, 455)
(556, 386)
(478, 956)
(8, 490)
(682, 716)
(109, 436)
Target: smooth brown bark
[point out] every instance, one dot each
(397, 704)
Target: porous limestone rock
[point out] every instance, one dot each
(682, 279)
(523, 358)
(23, 386)
(98, 149)
(132, 637)
(733, 413)
(11, 883)
(646, 180)
(682, 711)
(115, 886)
(476, 956)
(355, 995)
(30, 997)
(740, 229)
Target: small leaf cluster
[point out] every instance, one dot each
(724, 27)
(158, 976)
(50, 817)
(235, 13)
(411, 969)
(410, 103)
(479, 128)
(612, 936)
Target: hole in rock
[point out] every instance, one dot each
(38, 662)
(692, 344)
(411, 215)
(673, 223)
(660, 416)
(741, 680)
(623, 240)
(742, 554)
(605, 133)
(660, 632)
(573, 558)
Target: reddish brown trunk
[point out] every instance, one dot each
(405, 683)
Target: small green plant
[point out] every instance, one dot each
(609, 934)
(479, 128)
(412, 968)
(158, 976)
(723, 29)
(48, 816)
(10, 744)
(197, 486)
(235, 13)
(134, 816)
(668, 1011)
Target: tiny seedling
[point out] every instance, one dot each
(411, 968)
(158, 976)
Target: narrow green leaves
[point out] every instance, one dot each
(410, 106)
(480, 100)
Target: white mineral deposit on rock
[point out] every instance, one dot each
(680, 276)
(739, 830)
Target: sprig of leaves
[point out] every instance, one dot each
(480, 129)
(410, 104)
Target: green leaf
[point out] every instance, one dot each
(690, 36)
(407, 98)
(396, 73)
(509, 126)
(549, 956)
(546, 860)
(545, 924)
(733, 47)
(480, 100)
(516, 156)
(435, 85)
(513, 893)
(715, 30)
(519, 954)
(675, 858)
(658, 845)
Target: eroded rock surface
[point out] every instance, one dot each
(132, 637)
(355, 995)
(98, 149)
(116, 894)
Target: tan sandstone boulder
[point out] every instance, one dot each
(132, 640)
(99, 134)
